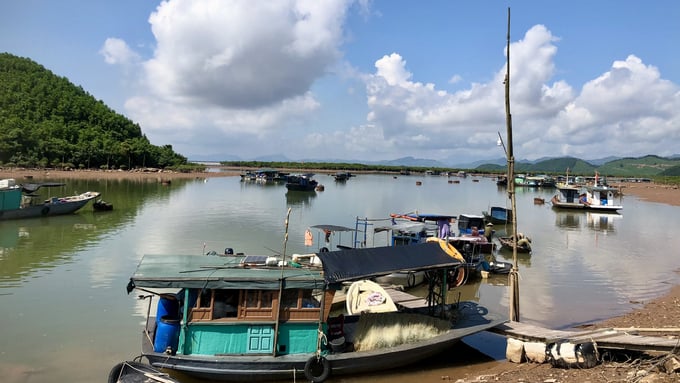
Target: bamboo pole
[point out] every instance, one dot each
(281, 282)
(514, 273)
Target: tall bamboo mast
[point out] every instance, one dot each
(281, 286)
(514, 273)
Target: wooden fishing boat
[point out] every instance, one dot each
(523, 243)
(301, 182)
(498, 215)
(258, 318)
(21, 201)
(136, 372)
(101, 205)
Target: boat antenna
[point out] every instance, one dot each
(513, 276)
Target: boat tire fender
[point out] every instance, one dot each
(323, 250)
(115, 372)
(411, 279)
(318, 369)
(45, 210)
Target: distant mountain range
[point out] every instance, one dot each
(647, 166)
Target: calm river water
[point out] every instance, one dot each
(66, 316)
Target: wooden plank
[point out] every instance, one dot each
(405, 299)
(605, 338)
(640, 343)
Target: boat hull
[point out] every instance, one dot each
(66, 206)
(579, 206)
(473, 319)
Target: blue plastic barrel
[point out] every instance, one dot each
(167, 334)
(168, 306)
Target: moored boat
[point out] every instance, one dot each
(21, 201)
(238, 319)
(137, 372)
(342, 176)
(523, 243)
(469, 223)
(301, 182)
(599, 197)
(498, 215)
(101, 205)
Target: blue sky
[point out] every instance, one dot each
(369, 80)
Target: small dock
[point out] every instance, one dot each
(608, 338)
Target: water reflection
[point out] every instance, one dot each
(30, 245)
(300, 198)
(602, 222)
(523, 259)
(568, 219)
(578, 220)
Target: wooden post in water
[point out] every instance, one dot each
(514, 273)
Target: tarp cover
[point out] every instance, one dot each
(215, 272)
(354, 264)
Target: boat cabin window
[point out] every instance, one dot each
(226, 305)
(289, 298)
(205, 299)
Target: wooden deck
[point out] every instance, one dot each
(621, 339)
(404, 299)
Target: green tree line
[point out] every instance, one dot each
(46, 121)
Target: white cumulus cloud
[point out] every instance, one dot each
(116, 51)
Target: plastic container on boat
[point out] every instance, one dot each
(167, 334)
(168, 306)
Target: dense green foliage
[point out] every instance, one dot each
(647, 166)
(46, 121)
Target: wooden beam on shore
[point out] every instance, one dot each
(607, 338)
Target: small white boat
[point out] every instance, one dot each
(366, 296)
(598, 197)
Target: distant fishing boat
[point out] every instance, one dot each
(598, 197)
(21, 201)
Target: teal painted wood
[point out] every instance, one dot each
(297, 338)
(211, 339)
(10, 199)
(247, 338)
(260, 339)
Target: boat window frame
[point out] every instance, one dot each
(254, 307)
